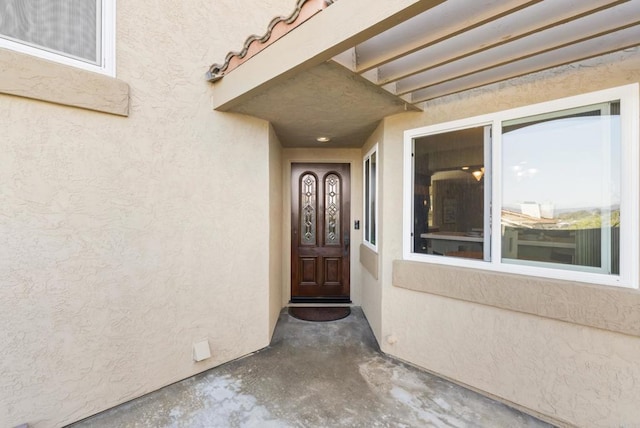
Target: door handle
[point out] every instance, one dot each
(346, 245)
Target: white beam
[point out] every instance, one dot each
(626, 38)
(446, 21)
(572, 33)
(524, 22)
(332, 31)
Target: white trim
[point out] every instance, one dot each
(109, 37)
(107, 54)
(409, 136)
(629, 211)
(488, 195)
(629, 96)
(407, 192)
(367, 221)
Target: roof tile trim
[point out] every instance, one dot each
(277, 28)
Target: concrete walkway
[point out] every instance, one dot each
(314, 375)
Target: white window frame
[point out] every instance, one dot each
(629, 222)
(366, 223)
(107, 64)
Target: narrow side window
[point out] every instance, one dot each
(370, 169)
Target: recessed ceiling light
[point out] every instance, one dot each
(323, 139)
(464, 168)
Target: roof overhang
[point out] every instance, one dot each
(357, 61)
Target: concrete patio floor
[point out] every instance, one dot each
(314, 375)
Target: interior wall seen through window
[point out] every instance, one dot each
(449, 193)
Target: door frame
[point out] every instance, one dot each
(346, 156)
(320, 250)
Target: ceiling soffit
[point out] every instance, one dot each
(421, 51)
(326, 101)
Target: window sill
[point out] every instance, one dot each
(30, 77)
(369, 259)
(608, 308)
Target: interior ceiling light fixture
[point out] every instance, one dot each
(323, 139)
(478, 174)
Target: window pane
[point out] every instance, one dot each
(449, 193)
(68, 27)
(367, 200)
(372, 200)
(561, 189)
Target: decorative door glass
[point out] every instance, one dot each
(332, 209)
(308, 190)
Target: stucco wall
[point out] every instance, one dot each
(371, 281)
(275, 229)
(320, 155)
(65, 85)
(124, 240)
(576, 374)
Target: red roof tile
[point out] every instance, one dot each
(277, 28)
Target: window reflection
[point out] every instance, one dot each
(561, 189)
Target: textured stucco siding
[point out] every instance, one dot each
(572, 373)
(369, 260)
(22, 76)
(125, 239)
(275, 230)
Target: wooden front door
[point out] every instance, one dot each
(320, 206)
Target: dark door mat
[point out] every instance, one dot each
(320, 314)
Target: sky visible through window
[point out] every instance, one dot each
(571, 163)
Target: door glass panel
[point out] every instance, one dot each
(332, 209)
(308, 217)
